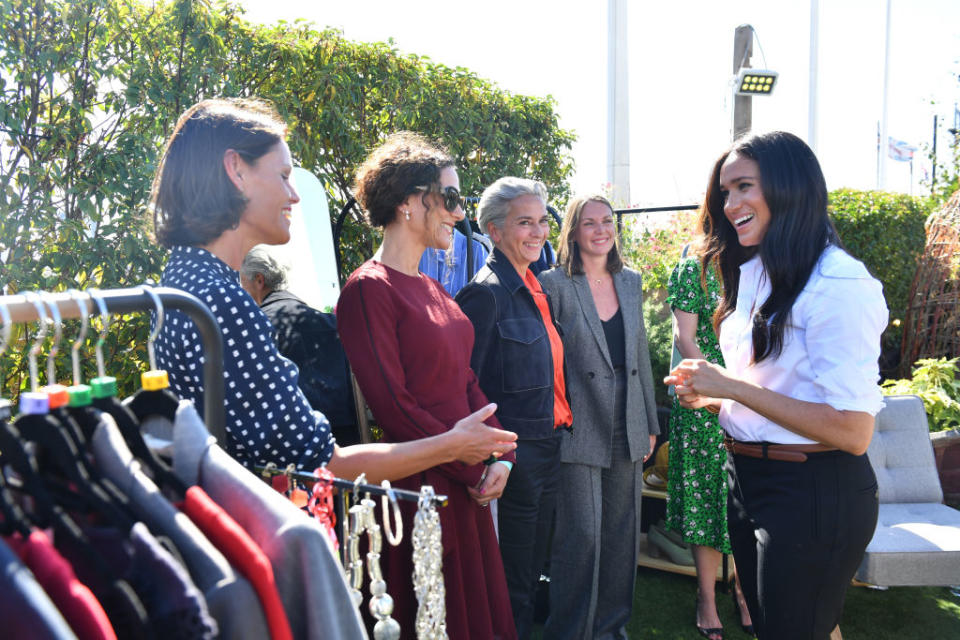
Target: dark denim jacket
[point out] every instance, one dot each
(511, 349)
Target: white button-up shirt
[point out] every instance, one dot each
(831, 344)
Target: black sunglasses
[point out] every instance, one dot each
(451, 197)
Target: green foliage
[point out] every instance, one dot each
(659, 326)
(935, 381)
(886, 232)
(652, 245)
(89, 89)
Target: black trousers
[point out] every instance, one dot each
(524, 516)
(798, 531)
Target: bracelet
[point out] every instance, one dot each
(712, 409)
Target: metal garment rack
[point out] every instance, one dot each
(137, 299)
(372, 489)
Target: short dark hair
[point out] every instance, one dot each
(568, 254)
(193, 198)
(394, 170)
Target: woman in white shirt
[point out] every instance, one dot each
(799, 327)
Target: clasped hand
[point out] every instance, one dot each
(699, 383)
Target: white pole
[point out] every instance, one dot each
(814, 74)
(618, 101)
(884, 136)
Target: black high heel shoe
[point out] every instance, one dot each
(747, 628)
(711, 633)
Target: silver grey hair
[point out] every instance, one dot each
(495, 201)
(260, 261)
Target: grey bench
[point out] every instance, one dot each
(917, 539)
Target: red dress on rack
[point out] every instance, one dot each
(409, 345)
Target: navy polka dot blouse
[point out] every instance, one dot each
(268, 419)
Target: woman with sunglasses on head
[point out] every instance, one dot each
(799, 326)
(223, 186)
(597, 301)
(409, 345)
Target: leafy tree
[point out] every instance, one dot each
(89, 89)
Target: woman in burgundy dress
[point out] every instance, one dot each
(410, 345)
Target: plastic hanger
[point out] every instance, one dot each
(80, 396)
(14, 519)
(104, 387)
(57, 395)
(57, 454)
(78, 411)
(128, 422)
(45, 512)
(155, 398)
(14, 455)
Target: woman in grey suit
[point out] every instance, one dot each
(597, 303)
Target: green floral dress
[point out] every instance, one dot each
(697, 483)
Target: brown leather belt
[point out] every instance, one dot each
(769, 451)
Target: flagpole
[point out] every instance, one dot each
(878, 154)
(814, 74)
(884, 140)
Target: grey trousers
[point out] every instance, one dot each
(593, 562)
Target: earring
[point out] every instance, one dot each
(406, 213)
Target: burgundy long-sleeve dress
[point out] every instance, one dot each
(409, 345)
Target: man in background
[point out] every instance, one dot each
(307, 337)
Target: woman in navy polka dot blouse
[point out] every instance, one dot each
(223, 186)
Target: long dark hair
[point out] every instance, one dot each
(800, 229)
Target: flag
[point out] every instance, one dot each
(900, 150)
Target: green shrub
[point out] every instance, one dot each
(652, 244)
(885, 231)
(89, 89)
(935, 381)
(659, 328)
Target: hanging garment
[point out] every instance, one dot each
(126, 611)
(175, 607)
(230, 597)
(25, 608)
(242, 552)
(309, 577)
(75, 601)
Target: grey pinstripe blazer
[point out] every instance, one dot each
(590, 376)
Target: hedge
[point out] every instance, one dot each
(886, 232)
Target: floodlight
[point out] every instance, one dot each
(755, 82)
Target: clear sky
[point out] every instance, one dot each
(681, 61)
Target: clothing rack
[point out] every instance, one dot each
(372, 489)
(137, 299)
